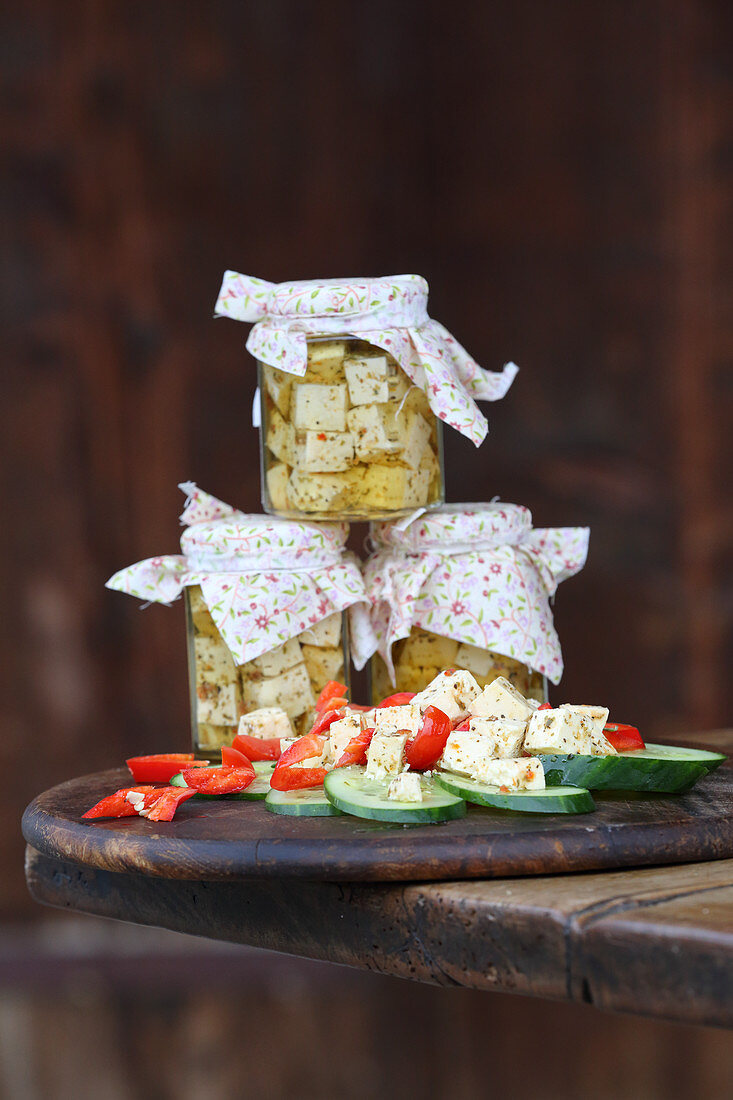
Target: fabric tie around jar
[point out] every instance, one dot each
(477, 573)
(264, 580)
(389, 312)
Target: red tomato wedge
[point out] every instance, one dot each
(233, 758)
(257, 748)
(323, 721)
(399, 699)
(116, 805)
(161, 767)
(623, 738)
(424, 749)
(356, 750)
(168, 800)
(332, 690)
(286, 777)
(219, 780)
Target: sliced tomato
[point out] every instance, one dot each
(117, 805)
(623, 738)
(166, 802)
(399, 699)
(425, 748)
(356, 750)
(257, 748)
(233, 758)
(332, 690)
(161, 767)
(295, 779)
(325, 720)
(219, 780)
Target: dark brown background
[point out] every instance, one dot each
(560, 173)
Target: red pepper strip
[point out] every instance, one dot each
(425, 748)
(623, 738)
(116, 805)
(358, 707)
(233, 758)
(464, 725)
(323, 721)
(545, 706)
(257, 748)
(400, 699)
(219, 780)
(332, 690)
(166, 803)
(161, 767)
(356, 750)
(286, 777)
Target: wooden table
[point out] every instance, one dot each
(656, 941)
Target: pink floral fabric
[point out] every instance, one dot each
(264, 579)
(477, 573)
(389, 312)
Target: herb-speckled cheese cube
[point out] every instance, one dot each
(218, 703)
(327, 452)
(367, 380)
(325, 633)
(596, 718)
(476, 660)
(564, 730)
(415, 440)
(213, 737)
(386, 755)
(391, 719)
(265, 723)
(424, 650)
(214, 661)
(278, 384)
(323, 492)
(523, 774)
(451, 692)
(323, 664)
(500, 699)
(326, 361)
(464, 752)
(280, 437)
(320, 408)
(504, 734)
(394, 487)
(370, 427)
(277, 486)
(291, 691)
(340, 733)
(405, 787)
(279, 659)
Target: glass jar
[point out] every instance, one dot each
(353, 438)
(420, 657)
(290, 676)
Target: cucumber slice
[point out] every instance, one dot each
(257, 789)
(666, 769)
(310, 802)
(350, 791)
(548, 800)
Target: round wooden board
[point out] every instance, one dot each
(238, 839)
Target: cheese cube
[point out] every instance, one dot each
(367, 380)
(524, 774)
(291, 691)
(327, 452)
(500, 699)
(202, 620)
(218, 703)
(320, 408)
(323, 492)
(596, 718)
(392, 719)
(465, 751)
(394, 487)
(278, 659)
(451, 692)
(340, 733)
(405, 787)
(280, 437)
(564, 730)
(426, 650)
(278, 384)
(214, 662)
(326, 361)
(415, 439)
(476, 660)
(385, 755)
(265, 723)
(277, 486)
(406, 396)
(325, 633)
(210, 737)
(323, 664)
(370, 428)
(504, 734)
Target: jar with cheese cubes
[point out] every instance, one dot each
(266, 615)
(468, 586)
(355, 383)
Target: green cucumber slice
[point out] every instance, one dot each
(548, 800)
(256, 791)
(665, 769)
(350, 791)
(309, 802)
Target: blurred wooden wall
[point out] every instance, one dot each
(561, 175)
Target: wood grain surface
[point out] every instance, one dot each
(235, 839)
(656, 941)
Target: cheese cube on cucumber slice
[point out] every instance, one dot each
(352, 792)
(309, 802)
(664, 769)
(257, 789)
(545, 800)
